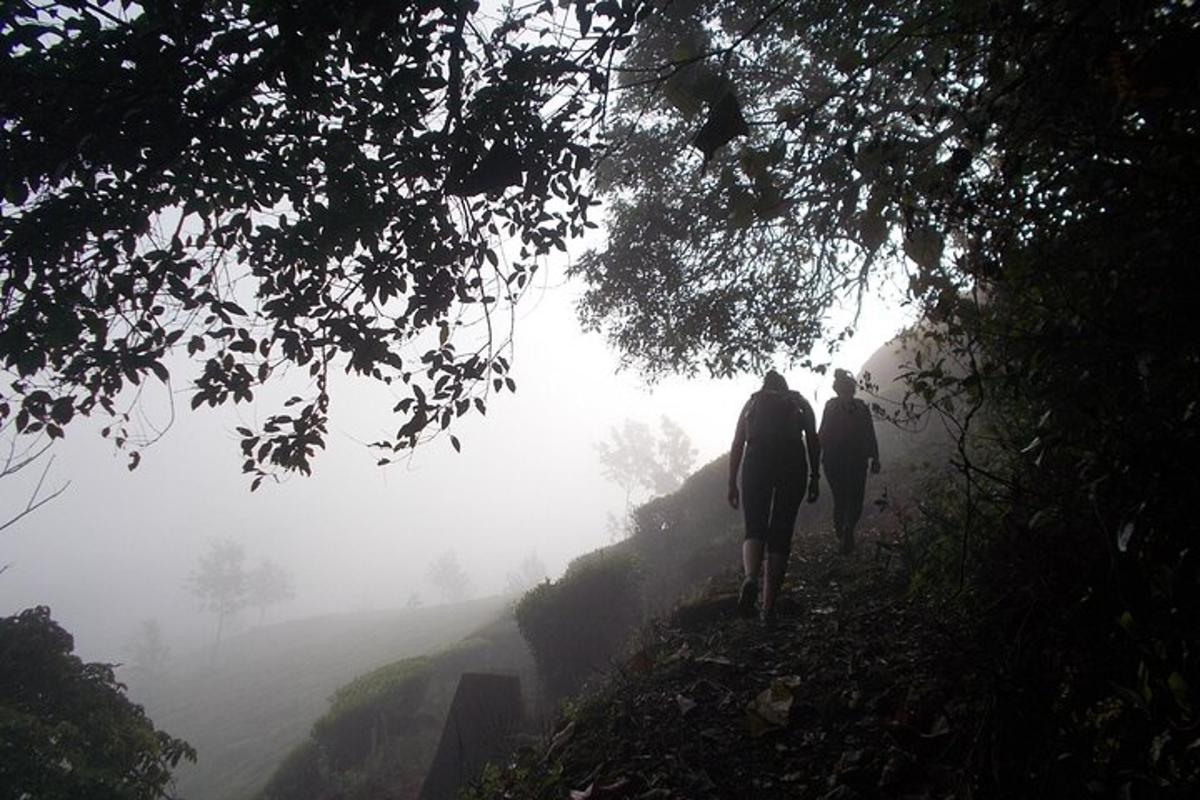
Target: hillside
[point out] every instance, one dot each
(856, 691)
(245, 710)
(906, 670)
(378, 735)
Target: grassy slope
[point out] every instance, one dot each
(244, 711)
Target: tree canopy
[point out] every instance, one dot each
(66, 727)
(220, 581)
(280, 187)
(942, 140)
(1027, 171)
(634, 457)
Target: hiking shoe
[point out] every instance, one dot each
(747, 598)
(845, 542)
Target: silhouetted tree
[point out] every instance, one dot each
(67, 728)
(636, 459)
(267, 585)
(449, 577)
(221, 582)
(270, 185)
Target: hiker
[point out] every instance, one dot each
(774, 429)
(848, 439)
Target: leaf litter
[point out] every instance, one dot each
(849, 695)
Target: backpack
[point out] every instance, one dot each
(775, 418)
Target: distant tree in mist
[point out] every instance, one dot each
(414, 601)
(530, 572)
(643, 462)
(449, 577)
(221, 582)
(267, 585)
(148, 651)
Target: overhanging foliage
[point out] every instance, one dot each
(282, 185)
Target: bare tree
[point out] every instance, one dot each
(449, 577)
(220, 581)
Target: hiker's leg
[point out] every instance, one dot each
(756, 511)
(856, 489)
(788, 496)
(837, 488)
(776, 571)
(752, 558)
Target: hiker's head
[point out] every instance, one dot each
(774, 382)
(844, 384)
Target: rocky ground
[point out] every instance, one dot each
(851, 693)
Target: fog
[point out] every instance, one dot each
(118, 546)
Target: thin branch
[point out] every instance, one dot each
(34, 503)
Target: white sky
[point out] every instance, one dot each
(117, 547)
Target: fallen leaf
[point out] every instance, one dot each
(770, 709)
(941, 727)
(613, 788)
(686, 704)
(560, 739)
(682, 654)
(720, 661)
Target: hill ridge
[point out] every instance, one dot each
(849, 694)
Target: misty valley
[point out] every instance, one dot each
(599, 400)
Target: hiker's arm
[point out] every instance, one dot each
(812, 441)
(735, 457)
(872, 442)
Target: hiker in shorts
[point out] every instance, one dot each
(848, 442)
(774, 430)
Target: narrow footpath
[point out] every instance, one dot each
(849, 694)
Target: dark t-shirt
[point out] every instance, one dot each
(847, 432)
(777, 424)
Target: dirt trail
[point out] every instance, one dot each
(847, 695)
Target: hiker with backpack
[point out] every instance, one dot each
(776, 448)
(848, 438)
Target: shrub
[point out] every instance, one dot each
(300, 776)
(574, 625)
(365, 711)
(66, 727)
